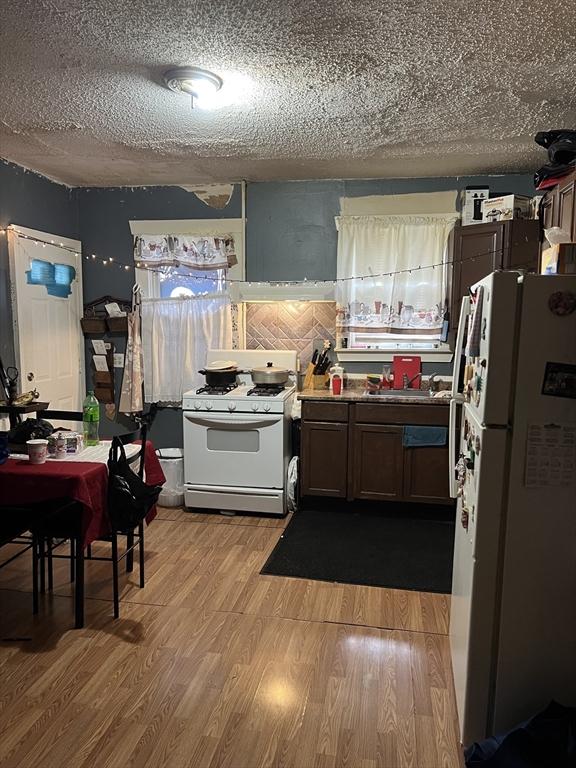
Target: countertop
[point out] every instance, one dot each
(358, 396)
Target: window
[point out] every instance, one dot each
(166, 278)
(181, 281)
(392, 289)
(186, 304)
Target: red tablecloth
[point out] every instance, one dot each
(83, 481)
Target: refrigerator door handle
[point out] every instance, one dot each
(452, 437)
(459, 346)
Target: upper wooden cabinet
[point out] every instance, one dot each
(565, 201)
(558, 207)
(479, 249)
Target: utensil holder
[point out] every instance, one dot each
(320, 382)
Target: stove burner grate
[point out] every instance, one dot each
(265, 390)
(223, 390)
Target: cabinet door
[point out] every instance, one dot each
(549, 209)
(521, 244)
(477, 253)
(566, 201)
(377, 462)
(324, 459)
(426, 474)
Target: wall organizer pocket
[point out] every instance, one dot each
(104, 380)
(97, 320)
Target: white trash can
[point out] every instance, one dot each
(172, 463)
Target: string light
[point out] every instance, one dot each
(229, 281)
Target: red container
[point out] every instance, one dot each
(409, 365)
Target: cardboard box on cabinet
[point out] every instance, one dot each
(507, 207)
(472, 204)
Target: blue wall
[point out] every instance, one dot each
(290, 232)
(104, 222)
(31, 201)
(105, 214)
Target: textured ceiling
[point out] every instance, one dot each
(339, 88)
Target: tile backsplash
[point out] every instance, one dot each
(290, 325)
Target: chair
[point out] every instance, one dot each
(133, 539)
(14, 524)
(59, 530)
(61, 415)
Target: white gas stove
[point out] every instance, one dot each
(237, 440)
(243, 398)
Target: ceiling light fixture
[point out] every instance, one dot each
(197, 83)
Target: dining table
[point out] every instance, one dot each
(80, 477)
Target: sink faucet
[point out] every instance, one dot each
(433, 385)
(406, 381)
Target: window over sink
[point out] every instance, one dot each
(393, 281)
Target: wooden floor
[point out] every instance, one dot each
(212, 664)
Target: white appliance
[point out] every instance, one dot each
(237, 443)
(513, 615)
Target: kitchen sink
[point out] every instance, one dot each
(400, 393)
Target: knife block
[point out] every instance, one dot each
(320, 382)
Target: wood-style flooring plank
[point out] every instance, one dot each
(213, 665)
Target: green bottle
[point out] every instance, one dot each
(91, 419)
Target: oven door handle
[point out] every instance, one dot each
(232, 424)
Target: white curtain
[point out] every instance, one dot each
(395, 306)
(176, 333)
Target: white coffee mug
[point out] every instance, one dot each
(37, 451)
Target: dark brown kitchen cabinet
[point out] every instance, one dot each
(426, 473)
(549, 209)
(565, 202)
(479, 249)
(377, 462)
(324, 459)
(355, 451)
(558, 207)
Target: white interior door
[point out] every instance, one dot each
(47, 334)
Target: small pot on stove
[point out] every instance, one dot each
(221, 378)
(270, 375)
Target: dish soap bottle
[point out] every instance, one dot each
(91, 419)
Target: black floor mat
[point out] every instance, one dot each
(400, 546)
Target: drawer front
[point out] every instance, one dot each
(391, 413)
(318, 411)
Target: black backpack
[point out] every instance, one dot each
(129, 498)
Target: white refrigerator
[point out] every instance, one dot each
(513, 436)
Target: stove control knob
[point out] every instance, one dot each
(266, 407)
(231, 406)
(209, 405)
(197, 405)
(255, 407)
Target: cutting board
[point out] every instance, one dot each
(406, 364)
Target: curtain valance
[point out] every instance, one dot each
(194, 251)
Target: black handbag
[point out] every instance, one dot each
(129, 498)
